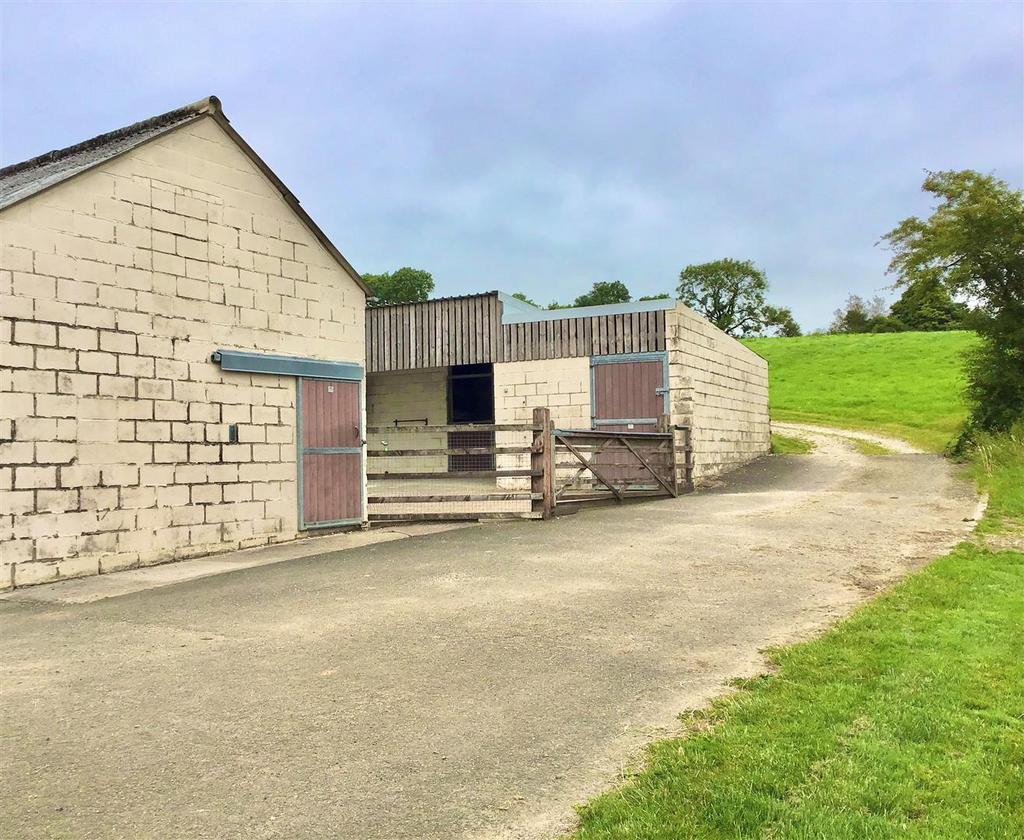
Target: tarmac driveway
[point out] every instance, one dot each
(473, 683)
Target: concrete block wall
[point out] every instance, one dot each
(721, 388)
(562, 385)
(408, 395)
(115, 288)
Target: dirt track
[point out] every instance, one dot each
(474, 683)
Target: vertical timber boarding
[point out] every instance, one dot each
(468, 330)
(435, 333)
(599, 335)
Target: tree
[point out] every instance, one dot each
(973, 245)
(603, 292)
(781, 320)
(406, 285)
(729, 293)
(927, 306)
(662, 296)
(860, 316)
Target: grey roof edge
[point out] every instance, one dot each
(438, 299)
(520, 312)
(123, 140)
(515, 311)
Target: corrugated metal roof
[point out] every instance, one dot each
(515, 311)
(437, 300)
(22, 180)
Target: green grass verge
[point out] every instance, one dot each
(785, 445)
(999, 469)
(868, 447)
(904, 720)
(908, 385)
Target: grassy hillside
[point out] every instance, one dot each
(906, 384)
(904, 720)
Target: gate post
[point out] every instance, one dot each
(665, 425)
(542, 461)
(688, 456)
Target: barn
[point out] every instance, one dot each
(452, 385)
(181, 354)
(188, 366)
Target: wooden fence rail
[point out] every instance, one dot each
(542, 468)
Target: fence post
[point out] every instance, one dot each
(665, 425)
(542, 461)
(688, 457)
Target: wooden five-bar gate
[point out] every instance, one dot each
(536, 468)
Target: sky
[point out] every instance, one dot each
(540, 147)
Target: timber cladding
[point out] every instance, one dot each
(600, 335)
(435, 333)
(469, 330)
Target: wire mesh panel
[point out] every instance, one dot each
(449, 472)
(478, 458)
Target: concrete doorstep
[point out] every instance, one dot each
(98, 587)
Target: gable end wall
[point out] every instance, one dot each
(720, 388)
(115, 288)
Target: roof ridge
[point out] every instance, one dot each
(208, 105)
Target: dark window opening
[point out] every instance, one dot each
(471, 400)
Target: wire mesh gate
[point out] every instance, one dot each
(456, 471)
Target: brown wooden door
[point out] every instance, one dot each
(330, 454)
(628, 396)
(631, 392)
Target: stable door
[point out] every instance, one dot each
(628, 392)
(330, 453)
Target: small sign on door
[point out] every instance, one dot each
(330, 389)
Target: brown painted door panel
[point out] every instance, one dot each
(629, 391)
(330, 487)
(331, 458)
(330, 414)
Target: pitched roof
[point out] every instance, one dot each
(23, 180)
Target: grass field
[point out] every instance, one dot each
(907, 718)
(868, 447)
(999, 469)
(904, 721)
(905, 384)
(785, 445)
